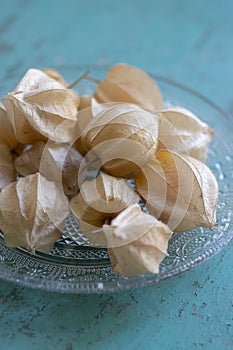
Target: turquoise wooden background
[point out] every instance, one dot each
(190, 41)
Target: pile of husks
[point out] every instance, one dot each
(51, 139)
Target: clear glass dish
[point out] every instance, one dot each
(75, 266)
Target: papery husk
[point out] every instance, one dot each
(89, 102)
(87, 111)
(137, 242)
(36, 80)
(57, 162)
(32, 213)
(41, 108)
(124, 83)
(181, 131)
(85, 102)
(28, 162)
(70, 171)
(98, 201)
(7, 171)
(179, 190)
(124, 137)
(53, 73)
(7, 134)
(18, 150)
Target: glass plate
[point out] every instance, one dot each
(76, 266)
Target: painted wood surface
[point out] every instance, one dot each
(191, 42)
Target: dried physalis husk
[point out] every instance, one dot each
(137, 242)
(7, 134)
(181, 131)
(18, 150)
(60, 163)
(179, 190)
(57, 162)
(32, 213)
(123, 136)
(41, 108)
(85, 102)
(87, 111)
(70, 171)
(7, 171)
(53, 73)
(88, 101)
(28, 162)
(124, 83)
(98, 201)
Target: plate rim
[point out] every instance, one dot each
(150, 279)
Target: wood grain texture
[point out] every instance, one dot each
(191, 42)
